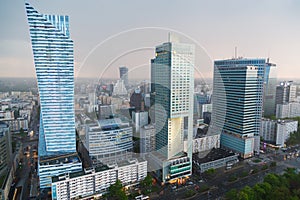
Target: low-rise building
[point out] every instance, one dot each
(109, 140)
(216, 158)
(243, 145)
(96, 181)
(50, 167)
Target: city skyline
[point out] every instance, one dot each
(219, 28)
(205, 125)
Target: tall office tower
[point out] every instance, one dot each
(270, 82)
(237, 103)
(172, 79)
(54, 64)
(124, 75)
(285, 92)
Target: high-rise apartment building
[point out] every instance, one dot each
(54, 64)
(172, 87)
(288, 110)
(124, 75)
(285, 92)
(278, 131)
(147, 139)
(237, 103)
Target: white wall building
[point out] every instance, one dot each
(288, 110)
(139, 119)
(119, 88)
(147, 139)
(96, 181)
(52, 167)
(204, 143)
(278, 132)
(109, 140)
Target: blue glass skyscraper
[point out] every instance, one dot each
(237, 103)
(54, 64)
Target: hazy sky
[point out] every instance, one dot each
(126, 32)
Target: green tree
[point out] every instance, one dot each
(259, 191)
(249, 191)
(231, 194)
(272, 179)
(210, 171)
(117, 192)
(243, 196)
(147, 182)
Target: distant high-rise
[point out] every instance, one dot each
(237, 103)
(285, 92)
(172, 79)
(54, 64)
(124, 75)
(137, 100)
(270, 82)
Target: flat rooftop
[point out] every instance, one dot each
(99, 168)
(214, 154)
(60, 159)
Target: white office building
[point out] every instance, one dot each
(172, 78)
(109, 140)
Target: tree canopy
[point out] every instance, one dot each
(274, 187)
(116, 191)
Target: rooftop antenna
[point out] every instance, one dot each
(235, 52)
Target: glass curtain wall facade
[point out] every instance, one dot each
(270, 84)
(172, 86)
(238, 97)
(54, 64)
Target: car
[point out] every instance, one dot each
(201, 181)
